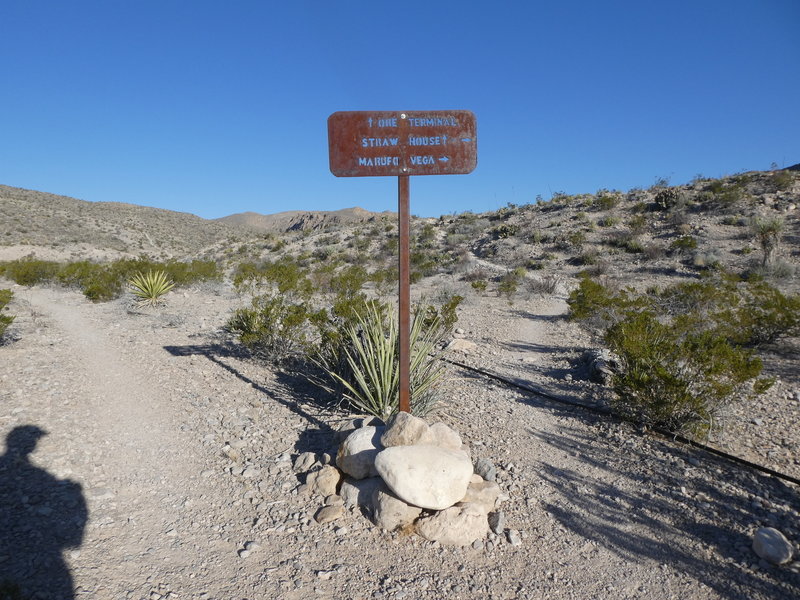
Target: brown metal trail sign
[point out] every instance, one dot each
(365, 144)
(392, 143)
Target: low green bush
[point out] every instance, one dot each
(479, 285)
(105, 281)
(674, 375)
(688, 350)
(608, 221)
(606, 202)
(510, 282)
(685, 242)
(504, 231)
(782, 180)
(274, 328)
(31, 271)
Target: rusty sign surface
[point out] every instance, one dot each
(368, 143)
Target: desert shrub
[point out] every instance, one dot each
(76, 274)
(782, 180)
(477, 274)
(284, 274)
(608, 221)
(685, 242)
(479, 285)
(102, 285)
(598, 306)
(31, 271)
(706, 260)
(187, 273)
(5, 319)
(509, 283)
(573, 240)
(654, 251)
(427, 235)
(684, 351)
(589, 257)
(276, 327)
(504, 231)
(384, 279)
(606, 201)
(546, 285)
(768, 232)
(626, 241)
(666, 199)
(673, 375)
(539, 237)
(761, 314)
(637, 224)
(424, 263)
(724, 194)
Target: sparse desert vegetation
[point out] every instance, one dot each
(227, 400)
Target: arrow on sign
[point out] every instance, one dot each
(444, 159)
(467, 140)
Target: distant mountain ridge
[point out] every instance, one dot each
(62, 225)
(299, 220)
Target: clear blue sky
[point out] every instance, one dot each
(220, 107)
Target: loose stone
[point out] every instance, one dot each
(771, 545)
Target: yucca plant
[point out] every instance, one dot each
(149, 289)
(369, 378)
(5, 320)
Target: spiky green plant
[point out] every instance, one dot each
(370, 381)
(150, 288)
(768, 232)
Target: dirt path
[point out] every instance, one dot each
(113, 429)
(183, 451)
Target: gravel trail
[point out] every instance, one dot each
(183, 452)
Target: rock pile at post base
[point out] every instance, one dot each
(407, 475)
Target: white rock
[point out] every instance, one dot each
(462, 345)
(513, 537)
(357, 453)
(325, 481)
(326, 514)
(482, 493)
(347, 427)
(443, 436)
(425, 476)
(403, 429)
(304, 462)
(457, 526)
(771, 545)
(389, 512)
(358, 492)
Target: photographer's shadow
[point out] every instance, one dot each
(40, 516)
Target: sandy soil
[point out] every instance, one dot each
(183, 452)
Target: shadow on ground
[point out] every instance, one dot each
(40, 517)
(292, 390)
(649, 501)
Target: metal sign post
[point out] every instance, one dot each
(387, 143)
